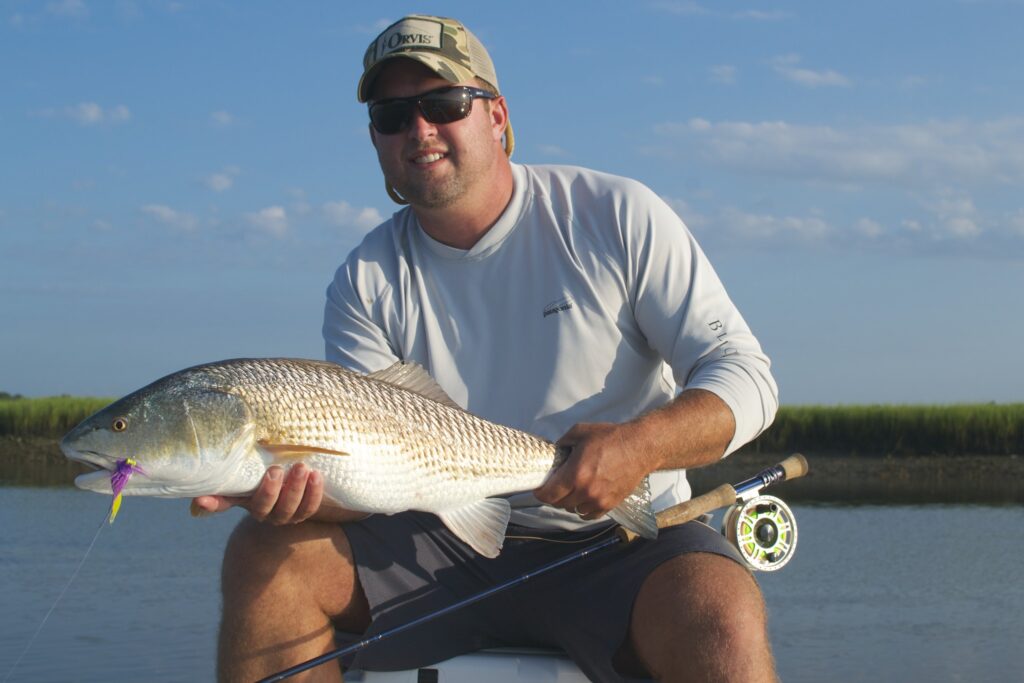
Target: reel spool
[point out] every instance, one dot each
(764, 531)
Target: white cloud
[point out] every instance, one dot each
(689, 8)
(222, 118)
(691, 217)
(67, 8)
(723, 73)
(761, 15)
(788, 67)
(374, 28)
(869, 228)
(1016, 223)
(222, 181)
(118, 114)
(912, 82)
(956, 215)
(761, 226)
(732, 223)
(219, 182)
(681, 7)
(272, 220)
(171, 218)
(913, 155)
(653, 79)
(552, 150)
(341, 214)
(86, 113)
(89, 114)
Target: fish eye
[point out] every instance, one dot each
(120, 424)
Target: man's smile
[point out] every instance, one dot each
(424, 158)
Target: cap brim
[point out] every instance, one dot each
(453, 73)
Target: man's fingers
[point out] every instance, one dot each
(556, 489)
(263, 499)
(291, 493)
(208, 505)
(312, 498)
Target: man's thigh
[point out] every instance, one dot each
(699, 616)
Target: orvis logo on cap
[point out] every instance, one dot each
(411, 33)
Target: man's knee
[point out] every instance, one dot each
(701, 617)
(308, 563)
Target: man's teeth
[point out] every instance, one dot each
(428, 158)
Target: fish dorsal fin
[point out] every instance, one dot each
(635, 512)
(295, 450)
(414, 377)
(481, 524)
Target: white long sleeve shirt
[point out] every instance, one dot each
(588, 300)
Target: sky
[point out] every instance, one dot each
(179, 180)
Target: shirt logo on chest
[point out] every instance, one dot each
(558, 306)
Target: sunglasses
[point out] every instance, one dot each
(444, 105)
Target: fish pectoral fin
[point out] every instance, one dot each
(481, 524)
(295, 450)
(635, 512)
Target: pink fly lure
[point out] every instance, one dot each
(119, 479)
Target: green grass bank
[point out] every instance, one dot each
(52, 416)
(859, 454)
(897, 430)
(871, 430)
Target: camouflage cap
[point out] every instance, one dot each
(443, 45)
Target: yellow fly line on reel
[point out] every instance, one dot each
(764, 530)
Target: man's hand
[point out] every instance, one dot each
(608, 461)
(606, 464)
(282, 499)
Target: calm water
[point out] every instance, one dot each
(895, 593)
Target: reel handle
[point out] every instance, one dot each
(791, 468)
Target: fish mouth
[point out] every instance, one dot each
(97, 461)
(102, 470)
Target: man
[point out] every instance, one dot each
(556, 300)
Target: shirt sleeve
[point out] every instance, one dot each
(686, 315)
(354, 331)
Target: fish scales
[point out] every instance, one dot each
(404, 438)
(385, 442)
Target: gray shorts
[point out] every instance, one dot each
(409, 565)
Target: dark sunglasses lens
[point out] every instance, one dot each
(446, 107)
(390, 117)
(437, 107)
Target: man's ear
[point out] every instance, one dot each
(499, 116)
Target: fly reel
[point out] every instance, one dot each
(764, 531)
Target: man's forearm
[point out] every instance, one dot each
(692, 431)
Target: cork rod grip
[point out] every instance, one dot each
(794, 466)
(689, 510)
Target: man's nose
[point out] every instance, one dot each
(419, 127)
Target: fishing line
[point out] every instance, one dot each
(74, 574)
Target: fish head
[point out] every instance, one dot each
(179, 437)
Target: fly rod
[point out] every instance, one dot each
(742, 493)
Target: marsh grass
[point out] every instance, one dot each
(873, 430)
(882, 430)
(50, 416)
